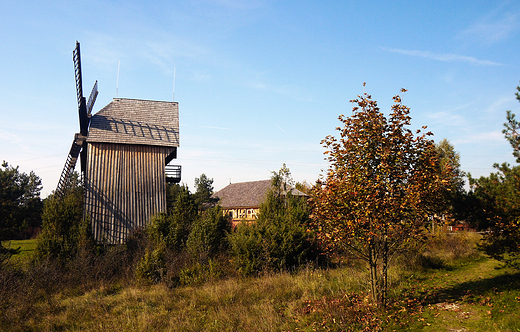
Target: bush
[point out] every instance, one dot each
(278, 240)
(64, 228)
(182, 239)
(172, 229)
(209, 234)
(152, 267)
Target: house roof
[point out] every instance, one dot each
(247, 194)
(133, 121)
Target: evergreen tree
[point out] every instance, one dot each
(64, 229)
(20, 203)
(279, 239)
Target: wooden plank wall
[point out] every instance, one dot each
(125, 185)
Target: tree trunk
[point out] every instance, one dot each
(372, 262)
(384, 286)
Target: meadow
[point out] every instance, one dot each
(450, 286)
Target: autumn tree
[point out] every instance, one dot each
(375, 198)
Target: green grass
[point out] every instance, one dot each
(476, 296)
(26, 252)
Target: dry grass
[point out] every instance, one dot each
(467, 292)
(266, 303)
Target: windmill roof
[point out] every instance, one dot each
(134, 121)
(247, 194)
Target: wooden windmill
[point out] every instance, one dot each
(125, 151)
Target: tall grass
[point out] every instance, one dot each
(264, 303)
(96, 294)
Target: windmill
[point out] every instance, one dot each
(79, 144)
(125, 150)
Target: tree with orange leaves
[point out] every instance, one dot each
(380, 187)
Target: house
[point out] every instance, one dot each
(241, 201)
(129, 145)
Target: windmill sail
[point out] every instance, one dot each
(76, 57)
(70, 164)
(82, 105)
(79, 145)
(92, 99)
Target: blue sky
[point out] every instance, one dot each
(259, 83)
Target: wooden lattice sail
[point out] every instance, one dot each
(79, 143)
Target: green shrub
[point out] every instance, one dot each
(199, 273)
(278, 240)
(172, 229)
(209, 234)
(183, 241)
(64, 228)
(152, 267)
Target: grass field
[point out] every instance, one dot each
(466, 295)
(27, 248)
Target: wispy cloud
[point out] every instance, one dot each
(8, 137)
(495, 27)
(280, 128)
(446, 57)
(200, 76)
(491, 137)
(237, 5)
(447, 119)
(500, 104)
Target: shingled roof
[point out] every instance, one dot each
(243, 194)
(133, 121)
(247, 194)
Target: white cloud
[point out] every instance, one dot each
(6, 136)
(482, 137)
(447, 118)
(493, 29)
(445, 57)
(499, 105)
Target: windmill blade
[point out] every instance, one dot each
(70, 164)
(92, 98)
(76, 57)
(82, 105)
